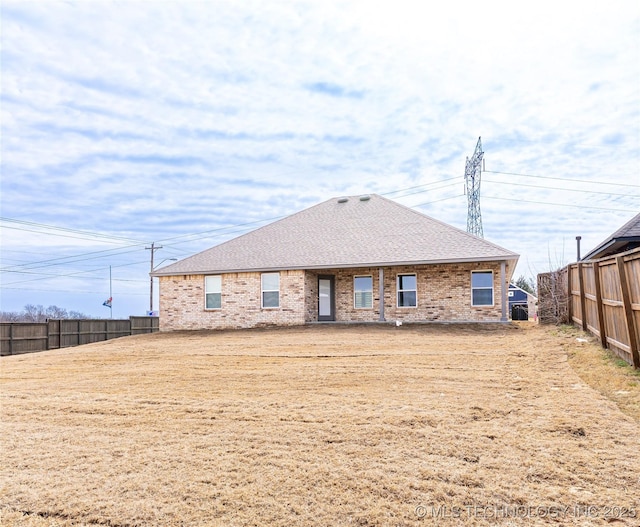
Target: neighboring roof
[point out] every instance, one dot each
(625, 238)
(514, 287)
(358, 231)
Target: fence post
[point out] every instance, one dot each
(569, 296)
(599, 305)
(628, 312)
(11, 339)
(583, 299)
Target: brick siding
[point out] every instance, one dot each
(444, 294)
(182, 302)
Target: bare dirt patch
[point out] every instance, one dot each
(321, 425)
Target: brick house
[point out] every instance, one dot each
(351, 259)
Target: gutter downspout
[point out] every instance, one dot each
(503, 290)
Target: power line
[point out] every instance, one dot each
(428, 189)
(436, 201)
(563, 179)
(279, 217)
(259, 221)
(56, 234)
(70, 292)
(46, 276)
(226, 230)
(112, 252)
(563, 189)
(417, 186)
(49, 264)
(65, 276)
(65, 229)
(19, 251)
(138, 243)
(69, 275)
(559, 204)
(164, 240)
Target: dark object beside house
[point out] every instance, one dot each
(522, 304)
(519, 312)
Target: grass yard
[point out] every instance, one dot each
(319, 425)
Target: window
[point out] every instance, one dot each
(481, 288)
(213, 292)
(407, 290)
(270, 289)
(363, 292)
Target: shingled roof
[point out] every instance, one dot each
(355, 231)
(625, 238)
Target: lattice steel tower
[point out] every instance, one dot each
(472, 174)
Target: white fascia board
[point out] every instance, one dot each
(513, 259)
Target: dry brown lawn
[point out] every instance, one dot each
(319, 425)
(602, 370)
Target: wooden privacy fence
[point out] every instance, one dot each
(604, 299)
(27, 337)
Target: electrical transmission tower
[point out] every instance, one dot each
(472, 174)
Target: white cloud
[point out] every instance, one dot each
(155, 119)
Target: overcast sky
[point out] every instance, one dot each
(187, 123)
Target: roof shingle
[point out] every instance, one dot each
(358, 231)
(629, 232)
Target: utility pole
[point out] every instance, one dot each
(153, 249)
(472, 173)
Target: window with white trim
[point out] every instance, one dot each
(213, 292)
(407, 285)
(270, 283)
(363, 292)
(481, 288)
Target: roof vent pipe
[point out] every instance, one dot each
(343, 200)
(365, 198)
(578, 238)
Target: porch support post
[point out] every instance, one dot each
(381, 292)
(503, 290)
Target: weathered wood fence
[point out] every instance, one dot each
(553, 297)
(27, 337)
(603, 298)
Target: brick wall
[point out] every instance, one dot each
(182, 302)
(444, 294)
